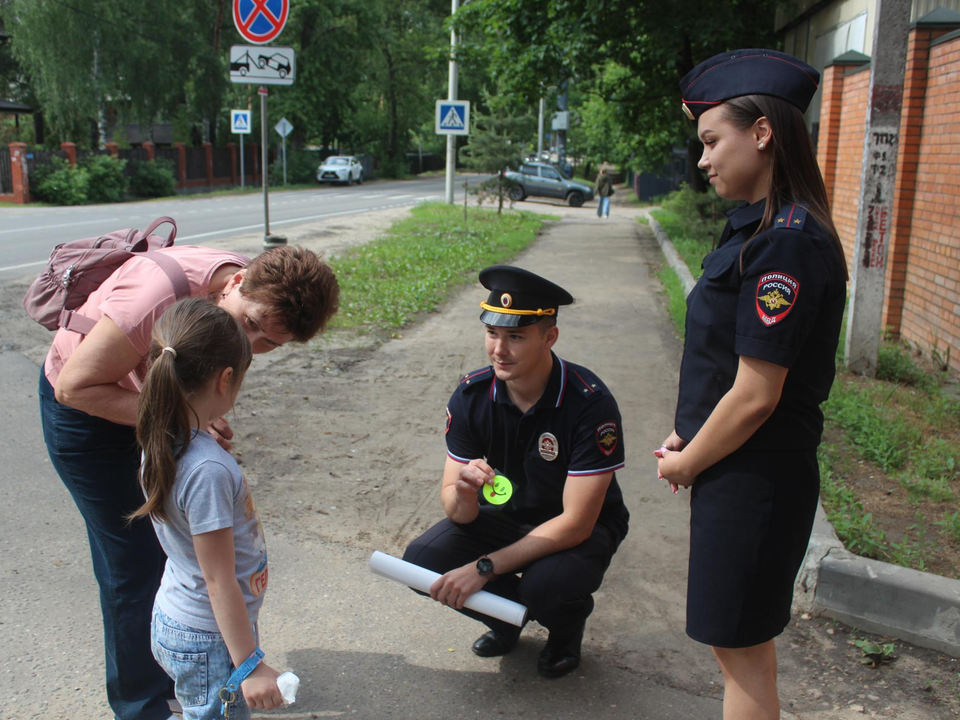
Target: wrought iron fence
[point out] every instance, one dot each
(222, 167)
(6, 175)
(196, 163)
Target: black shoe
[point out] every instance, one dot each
(496, 642)
(561, 654)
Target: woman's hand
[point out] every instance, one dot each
(674, 442)
(672, 468)
(221, 431)
(260, 689)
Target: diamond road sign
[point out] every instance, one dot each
(283, 127)
(262, 65)
(453, 117)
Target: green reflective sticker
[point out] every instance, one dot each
(500, 492)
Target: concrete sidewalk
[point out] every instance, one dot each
(367, 648)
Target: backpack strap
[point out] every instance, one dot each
(72, 320)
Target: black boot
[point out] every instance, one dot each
(562, 653)
(497, 642)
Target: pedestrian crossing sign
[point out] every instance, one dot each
(453, 117)
(240, 122)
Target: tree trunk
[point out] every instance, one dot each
(218, 24)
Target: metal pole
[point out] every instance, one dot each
(543, 103)
(452, 80)
(264, 173)
(284, 159)
(562, 133)
(243, 174)
(877, 178)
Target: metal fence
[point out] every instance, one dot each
(222, 166)
(171, 154)
(39, 158)
(196, 163)
(132, 156)
(6, 176)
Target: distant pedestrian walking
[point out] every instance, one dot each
(604, 191)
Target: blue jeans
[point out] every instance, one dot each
(199, 663)
(603, 207)
(98, 461)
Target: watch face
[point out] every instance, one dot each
(484, 566)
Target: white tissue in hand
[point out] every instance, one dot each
(288, 684)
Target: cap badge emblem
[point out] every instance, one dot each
(548, 447)
(506, 300)
(688, 112)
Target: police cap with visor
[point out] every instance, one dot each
(750, 71)
(519, 297)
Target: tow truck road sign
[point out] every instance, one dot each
(240, 122)
(453, 117)
(262, 65)
(260, 21)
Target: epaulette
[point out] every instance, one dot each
(477, 377)
(582, 381)
(791, 216)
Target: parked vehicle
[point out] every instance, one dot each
(542, 179)
(344, 169)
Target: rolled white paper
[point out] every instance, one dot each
(288, 684)
(421, 579)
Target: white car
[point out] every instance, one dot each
(344, 169)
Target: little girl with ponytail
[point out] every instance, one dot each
(204, 628)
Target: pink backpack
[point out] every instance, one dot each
(77, 268)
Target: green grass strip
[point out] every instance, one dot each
(693, 240)
(422, 259)
(676, 297)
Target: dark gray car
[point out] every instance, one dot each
(541, 179)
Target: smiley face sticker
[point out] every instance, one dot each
(500, 492)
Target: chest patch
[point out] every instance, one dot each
(549, 449)
(607, 438)
(776, 296)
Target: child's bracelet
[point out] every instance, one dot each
(228, 694)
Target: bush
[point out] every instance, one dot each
(61, 184)
(301, 167)
(895, 364)
(107, 183)
(153, 179)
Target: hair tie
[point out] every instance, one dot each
(169, 350)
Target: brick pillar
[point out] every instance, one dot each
(831, 106)
(71, 150)
(208, 157)
(181, 164)
(233, 162)
(150, 149)
(911, 129)
(19, 173)
(113, 149)
(255, 152)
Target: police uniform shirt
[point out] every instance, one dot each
(574, 429)
(785, 307)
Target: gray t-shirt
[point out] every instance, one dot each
(210, 493)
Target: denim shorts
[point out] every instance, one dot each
(199, 663)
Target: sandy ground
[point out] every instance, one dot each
(342, 440)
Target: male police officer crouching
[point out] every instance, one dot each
(544, 536)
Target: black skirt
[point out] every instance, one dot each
(750, 522)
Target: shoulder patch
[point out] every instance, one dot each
(790, 216)
(776, 295)
(477, 377)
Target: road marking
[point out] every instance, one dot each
(398, 197)
(371, 197)
(24, 265)
(50, 227)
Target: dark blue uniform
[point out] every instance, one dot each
(573, 431)
(752, 512)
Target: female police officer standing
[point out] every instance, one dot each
(762, 329)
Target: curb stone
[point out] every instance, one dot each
(875, 596)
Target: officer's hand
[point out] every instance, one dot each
(672, 468)
(674, 442)
(221, 432)
(453, 588)
(473, 475)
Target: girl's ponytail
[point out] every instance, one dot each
(192, 342)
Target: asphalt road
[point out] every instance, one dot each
(28, 234)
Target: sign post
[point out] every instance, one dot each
(283, 129)
(240, 125)
(259, 22)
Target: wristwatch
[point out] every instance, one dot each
(485, 567)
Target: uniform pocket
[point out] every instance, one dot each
(189, 673)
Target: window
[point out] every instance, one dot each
(529, 170)
(549, 173)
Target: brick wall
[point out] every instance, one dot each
(922, 302)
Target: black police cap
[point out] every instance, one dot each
(519, 297)
(747, 72)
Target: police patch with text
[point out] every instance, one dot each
(776, 295)
(607, 438)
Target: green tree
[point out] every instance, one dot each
(496, 143)
(537, 43)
